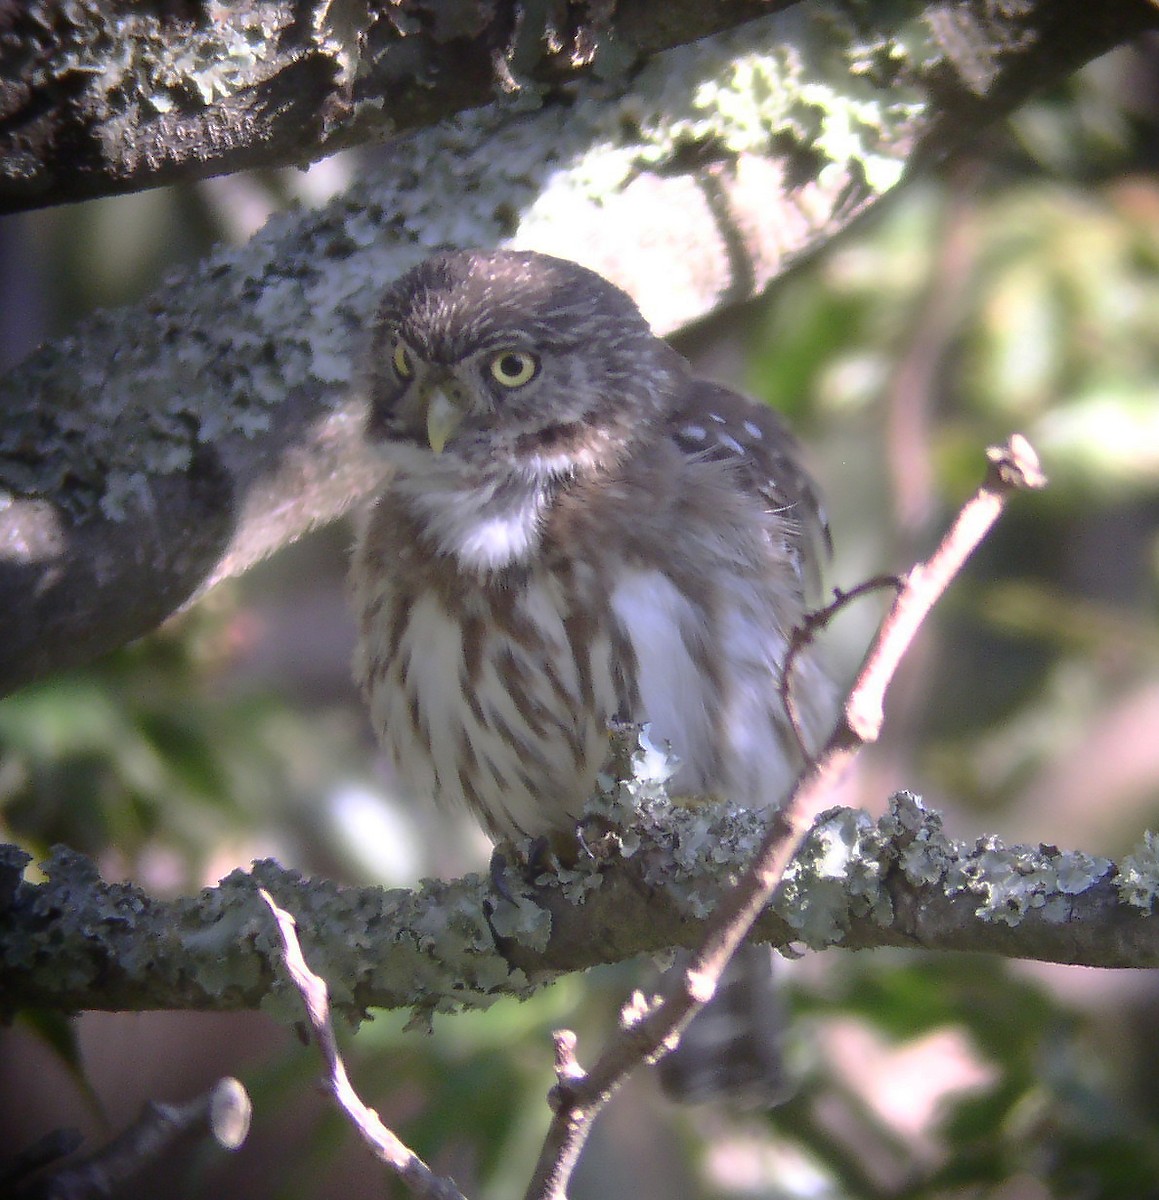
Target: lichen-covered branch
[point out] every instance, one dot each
(76, 942)
(160, 448)
(113, 96)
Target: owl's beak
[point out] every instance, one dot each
(443, 418)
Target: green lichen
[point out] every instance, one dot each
(836, 876)
(814, 82)
(1138, 880)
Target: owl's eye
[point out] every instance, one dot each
(403, 361)
(514, 368)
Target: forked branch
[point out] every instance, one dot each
(578, 1096)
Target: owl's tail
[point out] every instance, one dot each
(732, 1050)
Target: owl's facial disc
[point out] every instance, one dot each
(511, 363)
(473, 408)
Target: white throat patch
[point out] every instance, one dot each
(490, 541)
(487, 527)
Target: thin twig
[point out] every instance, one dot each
(577, 1096)
(805, 634)
(224, 1111)
(20, 1167)
(387, 1148)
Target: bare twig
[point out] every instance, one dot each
(577, 1096)
(20, 1167)
(387, 1148)
(224, 1111)
(805, 633)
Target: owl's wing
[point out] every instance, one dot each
(716, 424)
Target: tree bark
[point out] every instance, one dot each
(114, 96)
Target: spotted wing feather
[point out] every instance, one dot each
(717, 424)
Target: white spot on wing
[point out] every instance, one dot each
(731, 443)
(753, 430)
(696, 433)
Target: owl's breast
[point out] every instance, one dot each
(496, 698)
(494, 691)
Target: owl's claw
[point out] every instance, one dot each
(539, 855)
(506, 857)
(497, 869)
(597, 838)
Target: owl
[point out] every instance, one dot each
(574, 530)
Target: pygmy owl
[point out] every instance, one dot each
(576, 530)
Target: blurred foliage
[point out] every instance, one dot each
(1051, 1112)
(153, 760)
(1017, 291)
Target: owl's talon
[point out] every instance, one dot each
(539, 855)
(497, 869)
(597, 837)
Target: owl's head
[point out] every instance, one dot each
(513, 360)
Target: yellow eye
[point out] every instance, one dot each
(514, 368)
(403, 363)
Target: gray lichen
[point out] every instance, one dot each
(1012, 881)
(1009, 881)
(109, 945)
(837, 875)
(697, 836)
(1138, 880)
(433, 948)
(841, 874)
(141, 62)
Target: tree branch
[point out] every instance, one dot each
(76, 942)
(577, 1100)
(161, 448)
(223, 1111)
(114, 97)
